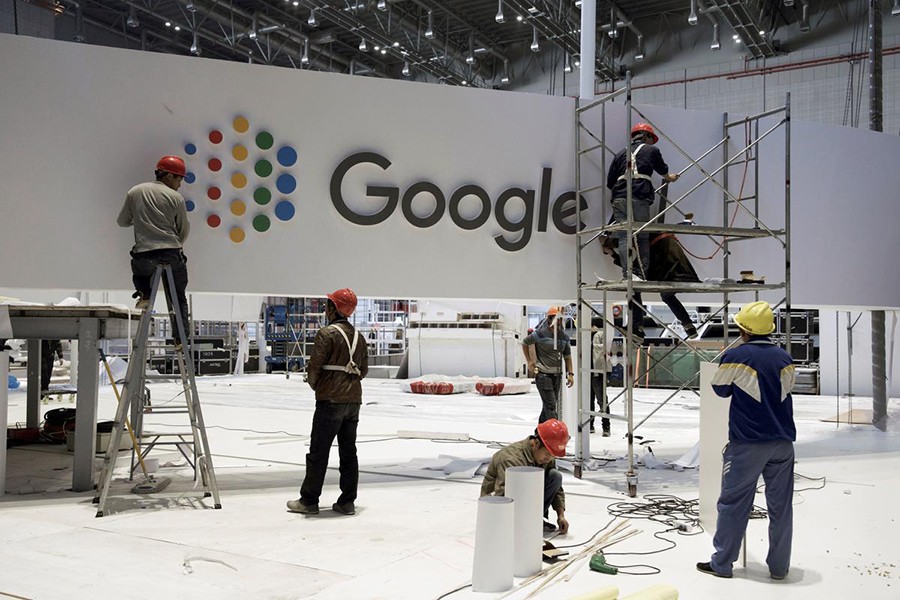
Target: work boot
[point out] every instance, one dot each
(777, 577)
(295, 506)
(690, 332)
(142, 303)
(348, 508)
(606, 433)
(705, 567)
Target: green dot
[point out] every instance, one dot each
(263, 168)
(261, 223)
(262, 196)
(264, 140)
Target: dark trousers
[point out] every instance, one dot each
(47, 356)
(143, 266)
(332, 420)
(743, 463)
(552, 485)
(549, 387)
(598, 384)
(676, 307)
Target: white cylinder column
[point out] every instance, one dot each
(525, 485)
(492, 568)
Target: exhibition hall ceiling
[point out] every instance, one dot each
(482, 43)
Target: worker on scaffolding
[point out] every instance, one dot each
(546, 348)
(538, 450)
(643, 158)
(668, 262)
(759, 377)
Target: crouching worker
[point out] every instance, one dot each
(549, 440)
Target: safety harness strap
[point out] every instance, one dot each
(634, 169)
(350, 367)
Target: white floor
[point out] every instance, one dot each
(413, 535)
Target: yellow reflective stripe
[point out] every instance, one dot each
(740, 375)
(788, 379)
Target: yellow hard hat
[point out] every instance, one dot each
(756, 318)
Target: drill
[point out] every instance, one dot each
(598, 563)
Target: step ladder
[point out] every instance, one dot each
(192, 443)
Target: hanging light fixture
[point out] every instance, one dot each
(429, 31)
(577, 61)
(505, 79)
(500, 18)
(252, 34)
(305, 58)
(382, 5)
(362, 45)
(405, 70)
(715, 43)
(132, 20)
(535, 45)
(895, 10)
(311, 21)
(639, 53)
(692, 17)
(470, 58)
(195, 46)
(567, 66)
(190, 7)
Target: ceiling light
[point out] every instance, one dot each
(762, 33)
(311, 21)
(464, 82)
(715, 43)
(405, 70)
(577, 61)
(384, 50)
(253, 27)
(296, 3)
(692, 17)
(500, 18)
(190, 7)
(132, 20)
(535, 46)
(396, 44)
(377, 47)
(895, 10)
(519, 18)
(505, 79)
(305, 58)
(639, 53)
(177, 28)
(362, 45)
(382, 5)
(804, 17)
(735, 37)
(195, 46)
(577, 3)
(429, 32)
(567, 65)
(470, 58)
(168, 23)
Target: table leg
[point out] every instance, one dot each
(33, 388)
(86, 405)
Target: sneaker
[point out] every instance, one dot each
(142, 303)
(777, 577)
(295, 506)
(606, 433)
(549, 527)
(705, 567)
(345, 509)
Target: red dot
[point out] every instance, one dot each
(215, 136)
(215, 164)
(214, 193)
(213, 220)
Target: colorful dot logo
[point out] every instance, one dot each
(249, 164)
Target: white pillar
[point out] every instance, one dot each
(588, 48)
(525, 486)
(492, 568)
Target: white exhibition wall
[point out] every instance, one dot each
(79, 125)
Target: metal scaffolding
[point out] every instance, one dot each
(588, 143)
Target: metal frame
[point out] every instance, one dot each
(729, 234)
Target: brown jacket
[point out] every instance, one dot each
(517, 454)
(331, 349)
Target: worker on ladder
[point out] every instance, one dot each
(643, 158)
(158, 214)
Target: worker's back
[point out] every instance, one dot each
(158, 214)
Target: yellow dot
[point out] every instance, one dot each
(241, 125)
(237, 235)
(239, 180)
(239, 152)
(238, 208)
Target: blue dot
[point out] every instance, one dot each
(190, 149)
(287, 156)
(284, 210)
(189, 177)
(189, 205)
(286, 183)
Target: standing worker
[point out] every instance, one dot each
(759, 377)
(49, 350)
(549, 440)
(544, 350)
(600, 367)
(243, 349)
(339, 362)
(159, 216)
(643, 158)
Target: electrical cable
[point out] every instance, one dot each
(451, 592)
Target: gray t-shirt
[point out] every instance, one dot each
(549, 354)
(158, 214)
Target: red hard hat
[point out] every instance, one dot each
(555, 435)
(173, 165)
(344, 301)
(644, 128)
